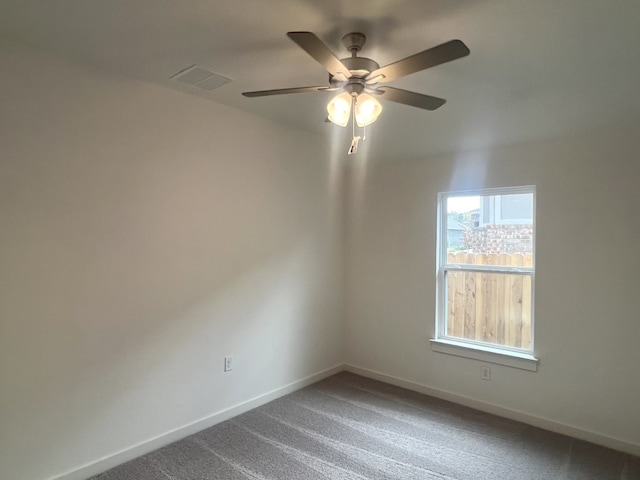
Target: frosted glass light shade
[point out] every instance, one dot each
(367, 110)
(339, 109)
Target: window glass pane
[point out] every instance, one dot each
(517, 207)
(490, 229)
(489, 307)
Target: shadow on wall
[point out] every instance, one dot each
(140, 245)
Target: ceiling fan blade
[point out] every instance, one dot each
(282, 91)
(320, 53)
(412, 99)
(443, 53)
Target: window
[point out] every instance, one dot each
(485, 278)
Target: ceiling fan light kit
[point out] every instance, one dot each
(339, 109)
(359, 78)
(367, 109)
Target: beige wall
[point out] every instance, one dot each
(588, 269)
(145, 237)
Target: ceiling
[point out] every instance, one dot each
(537, 69)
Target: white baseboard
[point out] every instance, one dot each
(115, 459)
(541, 422)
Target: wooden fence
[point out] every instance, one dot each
(490, 307)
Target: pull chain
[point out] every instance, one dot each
(353, 116)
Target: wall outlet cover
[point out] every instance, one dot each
(228, 363)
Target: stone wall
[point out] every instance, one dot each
(499, 239)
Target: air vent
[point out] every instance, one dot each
(202, 78)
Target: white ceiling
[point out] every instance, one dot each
(537, 69)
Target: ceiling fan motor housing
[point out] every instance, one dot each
(359, 67)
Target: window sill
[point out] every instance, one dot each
(523, 361)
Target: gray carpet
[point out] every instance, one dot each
(348, 428)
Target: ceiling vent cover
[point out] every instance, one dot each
(202, 78)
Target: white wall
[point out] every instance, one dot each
(145, 237)
(588, 269)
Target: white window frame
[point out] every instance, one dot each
(478, 350)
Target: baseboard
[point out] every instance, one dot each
(115, 459)
(541, 422)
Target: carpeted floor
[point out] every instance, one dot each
(348, 428)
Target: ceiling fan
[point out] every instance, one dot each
(361, 78)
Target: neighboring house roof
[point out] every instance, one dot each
(454, 225)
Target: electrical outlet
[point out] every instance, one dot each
(228, 363)
(485, 372)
